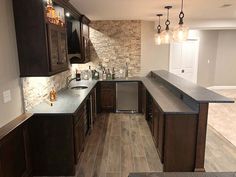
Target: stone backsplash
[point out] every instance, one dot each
(113, 43)
(36, 89)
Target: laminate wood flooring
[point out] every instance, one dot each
(122, 143)
(222, 117)
(118, 145)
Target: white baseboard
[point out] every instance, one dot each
(222, 87)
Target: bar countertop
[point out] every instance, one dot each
(196, 92)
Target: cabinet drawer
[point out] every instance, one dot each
(107, 85)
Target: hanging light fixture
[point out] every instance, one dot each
(181, 31)
(158, 37)
(167, 34)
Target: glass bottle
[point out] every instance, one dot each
(113, 73)
(108, 74)
(90, 73)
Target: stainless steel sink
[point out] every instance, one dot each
(79, 87)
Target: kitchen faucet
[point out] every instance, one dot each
(68, 80)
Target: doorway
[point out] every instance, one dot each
(184, 59)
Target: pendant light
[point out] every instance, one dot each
(167, 34)
(158, 37)
(181, 31)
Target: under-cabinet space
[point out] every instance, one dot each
(106, 92)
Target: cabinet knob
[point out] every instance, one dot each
(182, 71)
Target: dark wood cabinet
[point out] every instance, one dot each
(42, 48)
(15, 154)
(57, 47)
(107, 97)
(155, 114)
(79, 133)
(85, 52)
(52, 142)
(78, 38)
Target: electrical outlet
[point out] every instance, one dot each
(6, 96)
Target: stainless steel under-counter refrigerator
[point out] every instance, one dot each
(127, 97)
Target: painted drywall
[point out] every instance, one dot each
(225, 71)
(9, 71)
(153, 57)
(207, 57)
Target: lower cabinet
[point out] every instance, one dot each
(175, 139)
(15, 154)
(106, 97)
(155, 115)
(143, 99)
(52, 143)
(79, 133)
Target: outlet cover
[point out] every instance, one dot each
(6, 96)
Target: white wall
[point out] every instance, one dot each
(225, 71)
(207, 57)
(9, 72)
(153, 57)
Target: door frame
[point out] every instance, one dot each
(195, 62)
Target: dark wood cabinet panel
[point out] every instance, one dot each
(13, 155)
(180, 143)
(57, 47)
(79, 133)
(155, 114)
(42, 50)
(161, 136)
(52, 143)
(107, 97)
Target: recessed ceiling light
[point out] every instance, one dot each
(225, 5)
(68, 14)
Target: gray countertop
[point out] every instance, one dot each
(196, 92)
(184, 174)
(168, 102)
(68, 101)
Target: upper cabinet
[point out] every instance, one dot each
(78, 39)
(42, 36)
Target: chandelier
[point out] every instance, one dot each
(180, 32)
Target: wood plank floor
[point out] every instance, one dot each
(118, 145)
(122, 143)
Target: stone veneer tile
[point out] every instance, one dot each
(113, 43)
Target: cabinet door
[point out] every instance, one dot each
(27, 149)
(57, 39)
(144, 106)
(12, 154)
(86, 49)
(79, 137)
(161, 136)
(155, 123)
(107, 97)
(53, 47)
(62, 45)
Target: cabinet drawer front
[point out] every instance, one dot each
(107, 85)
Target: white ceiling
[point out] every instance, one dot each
(147, 9)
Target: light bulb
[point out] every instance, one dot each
(158, 39)
(167, 36)
(181, 33)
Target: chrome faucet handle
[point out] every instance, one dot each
(67, 80)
